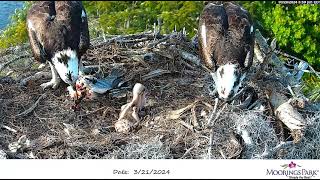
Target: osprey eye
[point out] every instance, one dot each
(69, 75)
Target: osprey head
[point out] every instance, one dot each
(228, 79)
(66, 63)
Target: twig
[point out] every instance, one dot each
(9, 128)
(194, 117)
(37, 76)
(210, 143)
(155, 73)
(291, 91)
(213, 111)
(4, 65)
(190, 127)
(24, 113)
(151, 45)
(293, 57)
(222, 154)
(269, 152)
(265, 48)
(189, 150)
(121, 38)
(92, 112)
(217, 116)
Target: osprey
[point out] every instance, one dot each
(226, 41)
(58, 34)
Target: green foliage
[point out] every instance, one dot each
(312, 88)
(296, 27)
(126, 17)
(16, 32)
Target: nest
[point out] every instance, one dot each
(174, 122)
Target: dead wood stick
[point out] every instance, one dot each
(263, 60)
(120, 38)
(217, 116)
(191, 58)
(177, 113)
(189, 150)
(293, 57)
(194, 117)
(151, 45)
(133, 40)
(162, 53)
(92, 112)
(216, 100)
(222, 154)
(265, 48)
(8, 128)
(286, 113)
(155, 73)
(4, 65)
(210, 143)
(187, 125)
(37, 76)
(270, 152)
(24, 113)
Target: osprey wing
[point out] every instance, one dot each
(84, 33)
(212, 29)
(241, 28)
(38, 19)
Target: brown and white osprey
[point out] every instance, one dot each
(58, 33)
(226, 41)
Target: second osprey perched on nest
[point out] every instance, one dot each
(226, 42)
(58, 33)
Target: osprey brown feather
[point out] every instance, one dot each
(58, 33)
(226, 41)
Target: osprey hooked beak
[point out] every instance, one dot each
(228, 79)
(66, 63)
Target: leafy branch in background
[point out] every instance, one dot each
(127, 17)
(15, 33)
(297, 30)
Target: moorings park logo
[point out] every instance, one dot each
(293, 171)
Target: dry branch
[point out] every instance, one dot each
(35, 77)
(270, 152)
(264, 47)
(8, 128)
(145, 56)
(283, 110)
(298, 59)
(155, 73)
(4, 65)
(26, 112)
(189, 150)
(286, 113)
(187, 125)
(177, 113)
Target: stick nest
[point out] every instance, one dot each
(173, 122)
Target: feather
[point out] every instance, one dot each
(103, 85)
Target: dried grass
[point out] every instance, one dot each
(56, 131)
